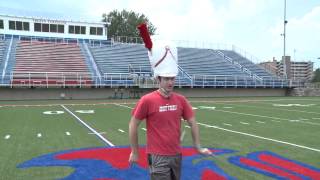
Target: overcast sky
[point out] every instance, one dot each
(252, 25)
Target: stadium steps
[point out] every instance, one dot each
(94, 69)
(8, 60)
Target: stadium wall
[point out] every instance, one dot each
(118, 93)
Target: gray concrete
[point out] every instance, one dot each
(105, 93)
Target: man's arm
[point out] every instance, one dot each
(196, 138)
(133, 137)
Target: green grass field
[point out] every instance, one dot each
(287, 126)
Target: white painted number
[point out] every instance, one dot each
(53, 112)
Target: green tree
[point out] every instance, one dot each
(124, 24)
(316, 77)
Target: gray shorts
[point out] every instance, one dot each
(165, 167)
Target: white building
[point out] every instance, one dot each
(44, 28)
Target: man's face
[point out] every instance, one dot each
(167, 83)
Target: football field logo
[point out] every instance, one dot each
(111, 163)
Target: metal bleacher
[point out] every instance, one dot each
(49, 64)
(36, 63)
(121, 63)
(246, 63)
(122, 58)
(205, 62)
(197, 67)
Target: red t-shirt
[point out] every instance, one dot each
(163, 120)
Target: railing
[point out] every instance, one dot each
(82, 80)
(50, 79)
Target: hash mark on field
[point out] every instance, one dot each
(227, 124)
(144, 129)
(260, 122)
(68, 133)
(7, 136)
(121, 130)
(315, 118)
(244, 123)
(39, 135)
(294, 120)
(187, 127)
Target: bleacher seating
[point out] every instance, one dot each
(246, 63)
(122, 58)
(129, 58)
(50, 63)
(39, 63)
(197, 61)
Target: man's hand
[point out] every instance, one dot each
(204, 151)
(134, 157)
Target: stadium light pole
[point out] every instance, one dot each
(284, 39)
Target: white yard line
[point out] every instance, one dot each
(261, 122)
(121, 130)
(123, 106)
(269, 117)
(260, 137)
(282, 109)
(253, 100)
(90, 128)
(7, 136)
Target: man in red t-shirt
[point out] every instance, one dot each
(163, 110)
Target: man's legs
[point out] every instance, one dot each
(165, 167)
